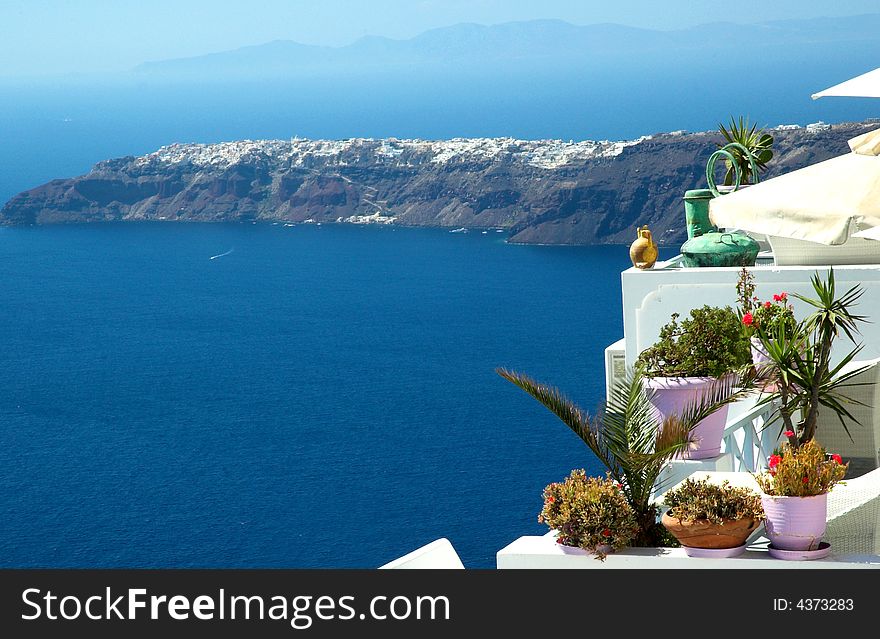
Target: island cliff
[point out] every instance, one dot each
(544, 191)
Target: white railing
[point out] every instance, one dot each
(746, 444)
(750, 438)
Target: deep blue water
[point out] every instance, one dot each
(319, 397)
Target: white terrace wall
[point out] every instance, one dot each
(650, 297)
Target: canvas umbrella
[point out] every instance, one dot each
(866, 85)
(823, 203)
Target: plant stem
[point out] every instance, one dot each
(809, 427)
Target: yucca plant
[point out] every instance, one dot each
(757, 142)
(629, 440)
(802, 365)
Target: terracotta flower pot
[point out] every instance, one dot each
(702, 533)
(673, 395)
(795, 523)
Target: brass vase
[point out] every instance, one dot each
(643, 252)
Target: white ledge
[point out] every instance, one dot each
(543, 553)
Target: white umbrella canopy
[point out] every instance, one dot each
(866, 85)
(820, 203)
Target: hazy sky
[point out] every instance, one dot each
(60, 36)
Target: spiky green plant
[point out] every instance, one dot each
(756, 141)
(628, 438)
(805, 377)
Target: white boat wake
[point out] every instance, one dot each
(214, 257)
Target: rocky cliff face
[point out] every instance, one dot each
(542, 191)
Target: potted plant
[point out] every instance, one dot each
(629, 439)
(796, 486)
(697, 358)
(712, 520)
(742, 141)
(769, 316)
(800, 361)
(800, 365)
(590, 515)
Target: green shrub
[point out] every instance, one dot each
(710, 343)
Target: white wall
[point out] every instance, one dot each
(650, 297)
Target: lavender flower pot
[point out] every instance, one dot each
(759, 353)
(761, 360)
(574, 550)
(795, 523)
(673, 395)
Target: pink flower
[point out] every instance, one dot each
(789, 433)
(748, 320)
(774, 461)
(837, 458)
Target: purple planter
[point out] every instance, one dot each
(714, 553)
(759, 353)
(795, 523)
(761, 360)
(673, 395)
(574, 550)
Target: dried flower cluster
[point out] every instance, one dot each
(804, 471)
(589, 512)
(698, 500)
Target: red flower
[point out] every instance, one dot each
(789, 433)
(837, 458)
(806, 480)
(772, 473)
(767, 305)
(551, 499)
(774, 460)
(777, 298)
(783, 296)
(748, 319)
(606, 533)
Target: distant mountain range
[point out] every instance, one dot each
(536, 79)
(520, 46)
(540, 191)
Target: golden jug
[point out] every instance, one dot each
(643, 252)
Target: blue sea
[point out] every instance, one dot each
(316, 396)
